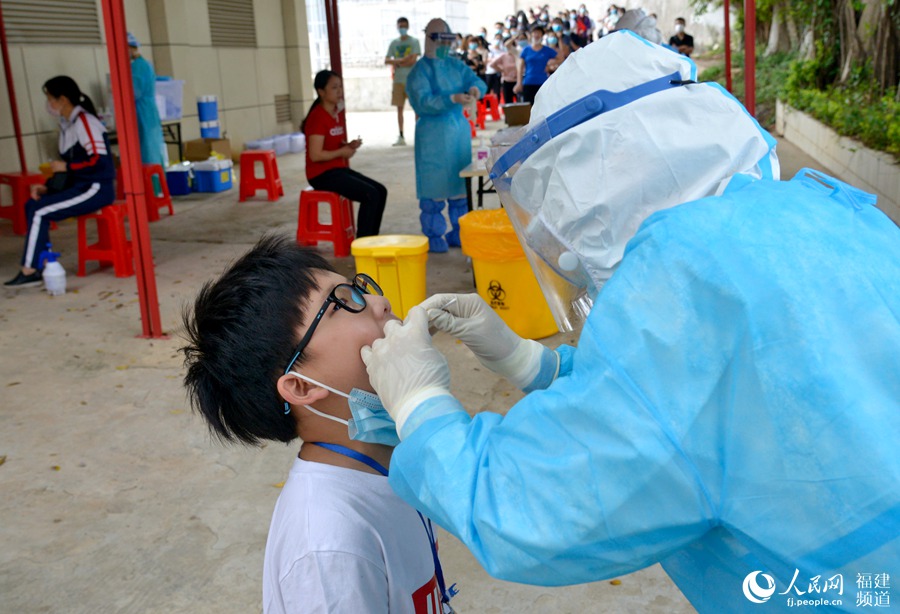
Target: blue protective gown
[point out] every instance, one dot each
(733, 405)
(149, 125)
(443, 137)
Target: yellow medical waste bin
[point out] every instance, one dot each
(397, 264)
(503, 276)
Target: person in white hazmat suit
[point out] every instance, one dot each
(732, 409)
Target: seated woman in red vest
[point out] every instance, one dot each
(328, 155)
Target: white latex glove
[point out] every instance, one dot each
(461, 98)
(404, 368)
(471, 320)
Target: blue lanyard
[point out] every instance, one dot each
(446, 594)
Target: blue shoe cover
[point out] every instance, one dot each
(437, 245)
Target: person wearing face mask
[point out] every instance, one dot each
(554, 43)
(560, 41)
(681, 40)
(153, 149)
(402, 54)
(532, 66)
(584, 26)
(491, 74)
(505, 65)
(610, 21)
(438, 88)
(82, 182)
(473, 57)
(272, 354)
(732, 408)
(522, 21)
(521, 40)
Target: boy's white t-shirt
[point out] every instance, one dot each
(342, 541)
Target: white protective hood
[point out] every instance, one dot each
(593, 185)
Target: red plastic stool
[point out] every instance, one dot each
(340, 231)
(270, 181)
(480, 114)
(112, 246)
(490, 100)
(154, 202)
(471, 123)
(21, 186)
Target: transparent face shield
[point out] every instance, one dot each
(445, 43)
(567, 284)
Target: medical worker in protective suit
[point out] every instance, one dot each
(153, 149)
(732, 409)
(438, 87)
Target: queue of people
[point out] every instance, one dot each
(526, 47)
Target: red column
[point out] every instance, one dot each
(750, 56)
(334, 35)
(130, 154)
(728, 83)
(11, 90)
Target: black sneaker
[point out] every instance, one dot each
(25, 281)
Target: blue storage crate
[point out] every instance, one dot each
(178, 180)
(213, 176)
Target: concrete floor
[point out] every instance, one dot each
(115, 499)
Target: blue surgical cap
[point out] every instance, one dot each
(132, 41)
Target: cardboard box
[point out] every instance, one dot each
(199, 150)
(517, 113)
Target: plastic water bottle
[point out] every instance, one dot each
(54, 273)
(482, 152)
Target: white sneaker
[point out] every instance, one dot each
(400, 142)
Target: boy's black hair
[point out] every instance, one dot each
(403, 20)
(241, 333)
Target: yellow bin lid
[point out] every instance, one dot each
(381, 246)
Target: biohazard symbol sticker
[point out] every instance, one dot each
(497, 295)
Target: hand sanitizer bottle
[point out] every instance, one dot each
(482, 152)
(54, 273)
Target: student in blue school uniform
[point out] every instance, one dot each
(82, 180)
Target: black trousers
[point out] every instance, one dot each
(493, 84)
(508, 95)
(529, 92)
(370, 195)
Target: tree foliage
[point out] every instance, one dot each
(839, 65)
(841, 38)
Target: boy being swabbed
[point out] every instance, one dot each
(273, 354)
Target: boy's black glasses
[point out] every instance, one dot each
(351, 297)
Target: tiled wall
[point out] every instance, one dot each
(176, 39)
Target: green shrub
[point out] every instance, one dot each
(855, 110)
